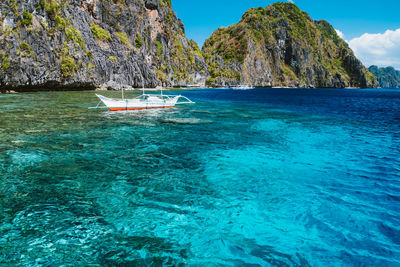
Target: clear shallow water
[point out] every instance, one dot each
(259, 177)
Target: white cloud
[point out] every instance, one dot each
(382, 49)
(291, 1)
(341, 35)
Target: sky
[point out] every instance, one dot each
(371, 27)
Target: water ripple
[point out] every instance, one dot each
(262, 177)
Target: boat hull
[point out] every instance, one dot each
(133, 108)
(150, 102)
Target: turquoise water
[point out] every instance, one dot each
(259, 177)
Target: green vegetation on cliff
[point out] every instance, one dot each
(75, 35)
(230, 43)
(124, 38)
(138, 41)
(27, 18)
(68, 67)
(5, 62)
(100, 33)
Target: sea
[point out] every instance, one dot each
(263, 177)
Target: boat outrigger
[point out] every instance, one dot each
(144, 101)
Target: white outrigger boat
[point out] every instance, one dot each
(241, 87)
(144, 101)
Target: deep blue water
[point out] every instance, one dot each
(254, 177)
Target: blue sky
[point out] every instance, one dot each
(353, 18)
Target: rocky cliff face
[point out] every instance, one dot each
(83, 44)
(388, 77)
(77, 44)
(282, 46)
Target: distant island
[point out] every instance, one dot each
(388, 77)
(80, 45)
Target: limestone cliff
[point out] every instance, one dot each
(81, 44)
(282, 46)
(388, 77)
